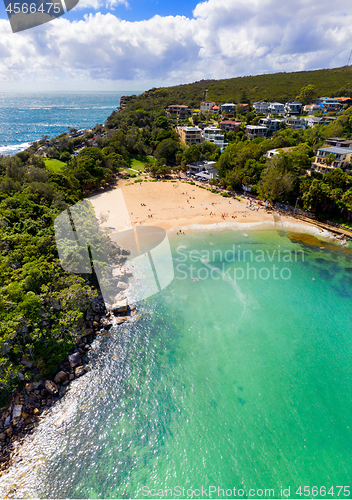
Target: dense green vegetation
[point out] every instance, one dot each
(280, 87)
(41, 306)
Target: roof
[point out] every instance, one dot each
(217, 107)
(192, 129)
(228, 104)
(251, 127)
(336, 150)
(177, 106)
(339, 139)
(204, 163)
(314, 118)
(230, 122)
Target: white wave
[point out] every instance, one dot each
(255, 226)
(14, 148)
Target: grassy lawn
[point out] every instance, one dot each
(54, 165)
(137, 162)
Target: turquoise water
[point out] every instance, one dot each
(225, 383)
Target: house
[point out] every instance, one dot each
(273, 152)
(254, 131)
(210, 173)
(200, 166)
(246, 107)
(190, 135)
(207, 106)
(312, 108)
(338, 142)
(344, 100)
(215, 135)
(215, 109)
(178, 111)
(295, 122)
(311, 121)
(277, 108)
(293, 108)
(261, 107)
(230, 125)
(228, 107)
(272, 124)
(329, 104)
(342, 157)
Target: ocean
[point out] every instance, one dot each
(235, 382)
(26, 116)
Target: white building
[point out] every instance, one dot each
(206, 106)
(272, 124)
(254, 131)
(293, 108)
(277, 107)
(261, 107)
(295, 122)
(215, 135)
(311, 121)
(200, 166)
(228, 107)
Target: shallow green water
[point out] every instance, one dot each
(227, 383)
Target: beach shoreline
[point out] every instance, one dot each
(178, 205)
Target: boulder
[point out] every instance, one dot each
(120, 320)
(62, 391)
(60, 377)
(27, 362)
(33, 386)
(51, 387)
(120, 306)
(79, 371)
(74, 359)
(7, 421)
(122, 286)
(16, 413)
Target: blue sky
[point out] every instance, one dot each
(133, 10)
(135, 44)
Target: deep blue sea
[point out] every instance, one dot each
(26, 116)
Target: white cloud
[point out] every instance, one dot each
(225, 38)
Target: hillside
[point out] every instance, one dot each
(280, 87)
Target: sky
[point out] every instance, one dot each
(138, 44)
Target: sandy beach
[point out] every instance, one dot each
(175, 205)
